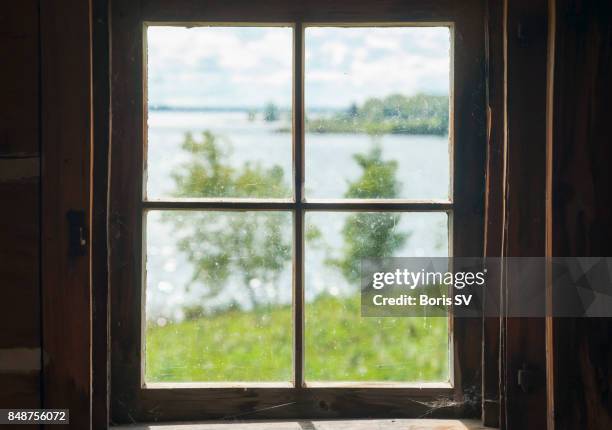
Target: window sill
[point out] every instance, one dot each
(389, 424)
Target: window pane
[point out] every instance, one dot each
(377, 107)
(218, 296)
(340, 344)
(219, 112)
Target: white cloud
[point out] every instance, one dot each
(248, 66)
(335, 51)
(219, 66)
(378, 62)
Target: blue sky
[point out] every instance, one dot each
(250, 66)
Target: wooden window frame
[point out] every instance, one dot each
(131, 399)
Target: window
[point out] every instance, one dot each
(272, 157)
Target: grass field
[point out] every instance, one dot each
(340, 346)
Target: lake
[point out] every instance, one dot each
(423, 172)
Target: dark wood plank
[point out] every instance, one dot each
(66, 182)
(494, 207)
(390, 424)
(19, 89)
(306, 10)
(582, 204)
(19, 260)
(20, 333)
(173, 404)
(526, 66)
(469, 167)
(24, 393)
(101, 154)
(127, 100)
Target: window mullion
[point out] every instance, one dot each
(298, 170)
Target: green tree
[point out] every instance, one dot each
(370, 234)
(353, 110)
(245, 246)
(249, 249)
(395, 114)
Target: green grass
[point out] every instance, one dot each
(340, 346)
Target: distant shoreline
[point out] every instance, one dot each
(241, 109)
(420, 114)
(402, 132)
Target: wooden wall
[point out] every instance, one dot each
(66, 148)
(45, 170)
(20, 333)
(581, 222)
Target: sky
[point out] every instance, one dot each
(251, 66)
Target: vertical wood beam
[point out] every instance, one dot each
(524, 214)
(493, 225)
(125, 221)
(299, 214)
(580, 377)
(66, 106)
(550, 86)
(101, 160)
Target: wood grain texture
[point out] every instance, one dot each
(324, 403)
(99, 269)
(389, 424)
(493, 223)
(582, 203)
(125, 194)
(526, 66)
(66, 182)
(469, 170)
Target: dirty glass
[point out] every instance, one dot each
(377, 98)
(218, 296)
(219, 112)
(219, 283)
(341, 345)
